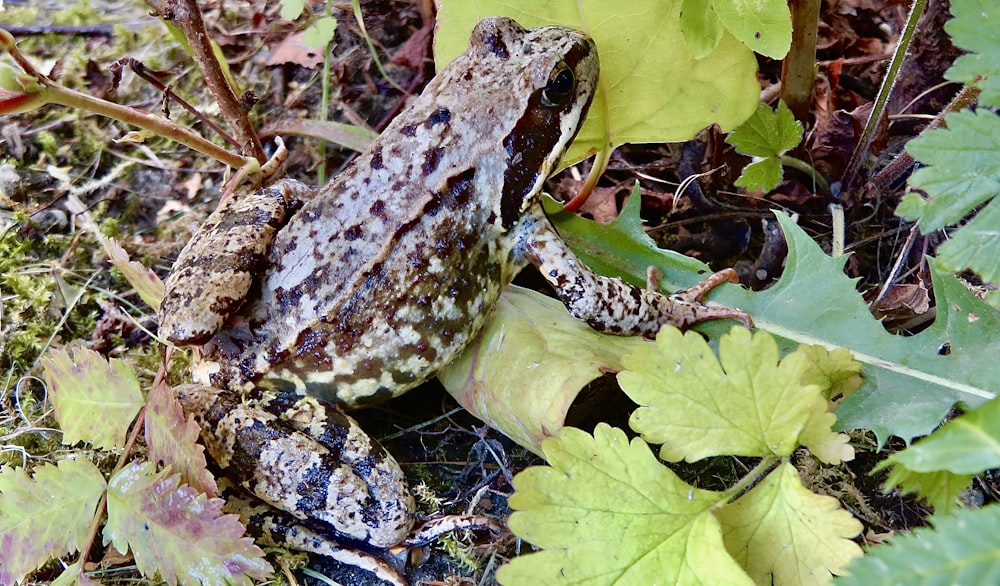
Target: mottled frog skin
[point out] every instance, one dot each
(385, 274)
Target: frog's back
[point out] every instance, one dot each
(391, 268)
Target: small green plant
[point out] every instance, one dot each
(606, 512)
(961, 171)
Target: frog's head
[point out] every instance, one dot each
(551, 74)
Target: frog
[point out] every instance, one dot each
(360, 290)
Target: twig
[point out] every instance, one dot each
(186, 15)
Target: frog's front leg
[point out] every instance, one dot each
(609, 304)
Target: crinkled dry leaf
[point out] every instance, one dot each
(178, 533)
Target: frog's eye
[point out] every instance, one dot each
(559, 88)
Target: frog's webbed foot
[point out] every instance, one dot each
(608, 304)
(692, 296)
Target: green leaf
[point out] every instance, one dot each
(608, 513)
(940, 488)
(95, 400)
(46, 516)
(763, 25)
(961, 549)
(974, 28)
(320, 32)
(500, 380)
(909, 383)
(834, 371)
(748, 402)
(291, 9)
(968, 444)
(961, 172)
(176, 532)
(766, 135)
(784, 534)
(650, 91)
(765, 174)
(941, 466)
(701, 27)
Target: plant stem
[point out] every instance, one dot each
(798, 71)
(186, 15)
(860, 155)
(820, 183)
(54, 93)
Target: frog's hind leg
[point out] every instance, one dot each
(274, 528)
(609, 304)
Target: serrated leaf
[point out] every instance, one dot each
(763, 25)
(783, 534)
(963, 548)
(764, 174)
(172, 440)
(968, 444)
(95, 400)
(609, 513)
(46, 516)
(747, 402)
(652, 91)
(974, 28)
(501, 381)
(176, 532)
(766, 135)
(961, 169)
(975, 245)
(941, 488)
(701, 27)
(940, 466)
(909, 383)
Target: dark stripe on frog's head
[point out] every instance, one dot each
(548, 125)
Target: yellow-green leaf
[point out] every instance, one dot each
(45, 516)
(783, 534)
(95, 400)
(608, 513)
(500, 380)
(652, 88)
(748, 402)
